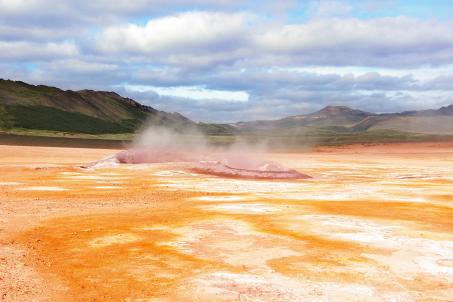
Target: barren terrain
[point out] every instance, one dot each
(373, 224)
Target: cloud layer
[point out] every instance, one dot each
(286, 61)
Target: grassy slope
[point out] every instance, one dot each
(39, 109)
(61, 141)
(48, 118)
(420, 124)
(30, 108)
(97, 104)
(326, 137)
(42, 108)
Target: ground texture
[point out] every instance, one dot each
(373, 224)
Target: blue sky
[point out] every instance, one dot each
(424, 9)
(232, 60)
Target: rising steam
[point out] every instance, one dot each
(163, 138)
(158, 144)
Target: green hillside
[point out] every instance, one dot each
(25, 107)
(430, 124)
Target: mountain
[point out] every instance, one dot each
(25, 106)
(447, 110)
(344, 119)
(328, 116)
(426, 121)
(45, 110)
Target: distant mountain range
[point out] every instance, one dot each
(345, 119)
(43, 108)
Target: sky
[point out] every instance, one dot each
(233, 60)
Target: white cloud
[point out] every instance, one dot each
(19, 6)
(94, 12)
(328, 8)
(22, 50)
(214, 38)
(179, 33)
(35, 34)
(193, 92)
(80, 66)
(384, 37)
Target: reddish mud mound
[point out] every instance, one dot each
(219, 164)
(147, 156)
(264, 170)
(141, 156)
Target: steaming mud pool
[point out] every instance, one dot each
(221, 164)
(371, 224)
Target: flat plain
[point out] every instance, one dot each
(373, 224)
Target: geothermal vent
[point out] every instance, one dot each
(218, 164)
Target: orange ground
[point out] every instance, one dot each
(374, 224)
